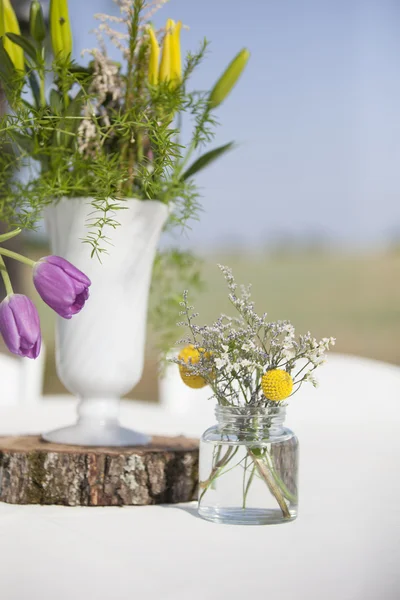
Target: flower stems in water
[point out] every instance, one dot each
(249, 482)
(261, 465)
(217, 469)
(266, 474)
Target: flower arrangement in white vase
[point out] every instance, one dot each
(249, 460)
(112, 172)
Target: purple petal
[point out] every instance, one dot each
(54, 286)
(20, 325)
(8, 327)
(63, 287)
(68, 267)
(80, 301)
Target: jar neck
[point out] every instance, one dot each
(250, 419)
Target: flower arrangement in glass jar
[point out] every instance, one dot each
(249, 460)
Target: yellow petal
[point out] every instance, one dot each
(9, 24)
(154, 57)
(60, 30)
(165, 66)
(176, 62)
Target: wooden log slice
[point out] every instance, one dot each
(36, 472)
(284, 457)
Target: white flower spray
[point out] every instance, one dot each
(235, 353)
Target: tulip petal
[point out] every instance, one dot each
(80, 301)
(26, 320)
(68, 267)
(54, 286)
(20, 326)
(8, 327)
(61, 285)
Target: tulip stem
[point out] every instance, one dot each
(6, 277)
(9, 235)
(16, 256)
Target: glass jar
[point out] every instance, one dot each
(248, 467)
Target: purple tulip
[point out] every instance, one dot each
(20, 325)
(61, 285)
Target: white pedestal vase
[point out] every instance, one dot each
(100, 351)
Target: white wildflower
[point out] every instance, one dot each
(243, 349)
(310, 378)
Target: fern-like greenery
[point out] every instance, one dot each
(108, 131)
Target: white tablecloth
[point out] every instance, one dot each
(345, 545)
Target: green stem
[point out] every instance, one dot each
(9, 235)
(249, 482)
(217, 470)
(265, 472)
(244, 481)
(19, 257)
(6, 277)
(42, 90)
(216, 458)
(288, 495)
(183, 164)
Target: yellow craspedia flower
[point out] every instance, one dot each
(277, 385)
(191, 355)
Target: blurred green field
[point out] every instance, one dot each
(355, 298)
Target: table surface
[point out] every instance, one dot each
(345, 545)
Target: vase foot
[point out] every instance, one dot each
(82, 434)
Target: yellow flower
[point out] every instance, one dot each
(171, 62)
(176, 61)
(165, 66)
(60, 30)
(154, 56)
(191, 355)
(9, 24)
(277, 385)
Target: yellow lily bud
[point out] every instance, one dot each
(60, 30)
(176, 62)
(9, 24)
(228, 79)
(154, 56)
(165, 66)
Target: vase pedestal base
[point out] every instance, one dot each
(33, 471)
(110, 435)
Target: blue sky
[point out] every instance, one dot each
(315, 116)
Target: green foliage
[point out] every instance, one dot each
(172, 269)
(206, 159)
(101, 131)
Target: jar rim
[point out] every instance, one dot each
(249, 411)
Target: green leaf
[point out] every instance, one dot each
(7, 71)
(23, 141)
(34, 84)
(56, 103)
(206, 160)
(23, 43)
(65, 134)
